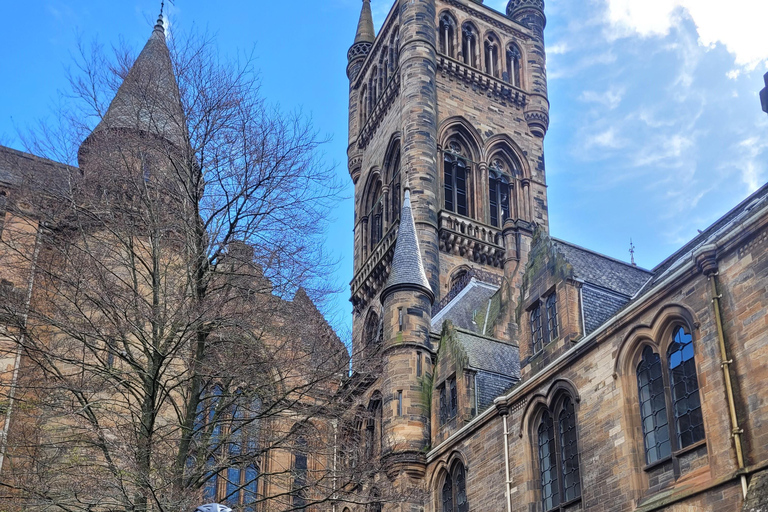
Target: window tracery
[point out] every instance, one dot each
(455, 179)
(492, 55)
(453, 492)
(514, 65)
(558, 455)
(447, 34)
(668, 396)
(469, 45)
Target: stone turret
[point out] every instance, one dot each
(147, 104)
(407, 298)
(418, 117)
(530, 13)
(364, 38)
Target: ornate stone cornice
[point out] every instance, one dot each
(483, 84)
(507, 29)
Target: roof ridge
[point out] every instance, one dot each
(706, 232)
(489, 338)
(615, 260)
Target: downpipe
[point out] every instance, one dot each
(736, 431)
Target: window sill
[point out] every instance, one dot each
(675, 455)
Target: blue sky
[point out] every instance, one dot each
(655, 132)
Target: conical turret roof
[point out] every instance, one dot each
(148, 100)
(407, 267)
(365, 32)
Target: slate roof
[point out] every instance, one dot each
(148, 99)
(407, 267)
(601, 270)
(490, 354)
(461, 310)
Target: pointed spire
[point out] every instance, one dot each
(407, 268)
(148, 101)
(365, 32)
(159, 27)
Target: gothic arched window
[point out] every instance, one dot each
(499, 190)
(514, 65)
(447, 35)
(373, 427)
(363, 107)
(669, 395)
(558, 456)
(373, 89)
(453, 494)
(455, 180)
(371, 329)
(469, 45)
(395, 185)
(492, 55)
(300, 468)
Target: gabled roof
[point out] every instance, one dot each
(489, 354)
(603, 271)
(407, 268)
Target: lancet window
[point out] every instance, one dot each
(469, 45)
(670, 405)
(447, 41)
(456, 179)
(514, 65)
(491, 55)
(499, 189)
(395, 185)
(558, 456)
(453, 494)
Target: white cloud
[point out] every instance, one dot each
(607, 139)
(609, 99)
(739, 25)
(751, 165)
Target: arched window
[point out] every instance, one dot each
(300, 468)
(395, 184)
(669, 394)
(363, 105)
(499, 190)
(373, 427)
(447, 35)
(455, 180)
(374, 204)
(453, 493)
(558, 456)
(491, 46)
(469, 45)
(384, 65)
(371, 329)
(373, 89)
(514, 65)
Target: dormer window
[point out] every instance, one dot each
(544, 325)
(449, 400)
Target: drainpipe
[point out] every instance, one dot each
(503, 411)
(707, 262)
(19, 345)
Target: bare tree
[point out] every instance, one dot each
(160, 361)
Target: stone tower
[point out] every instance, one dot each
(449, 98)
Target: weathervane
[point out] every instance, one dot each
(632, 253)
